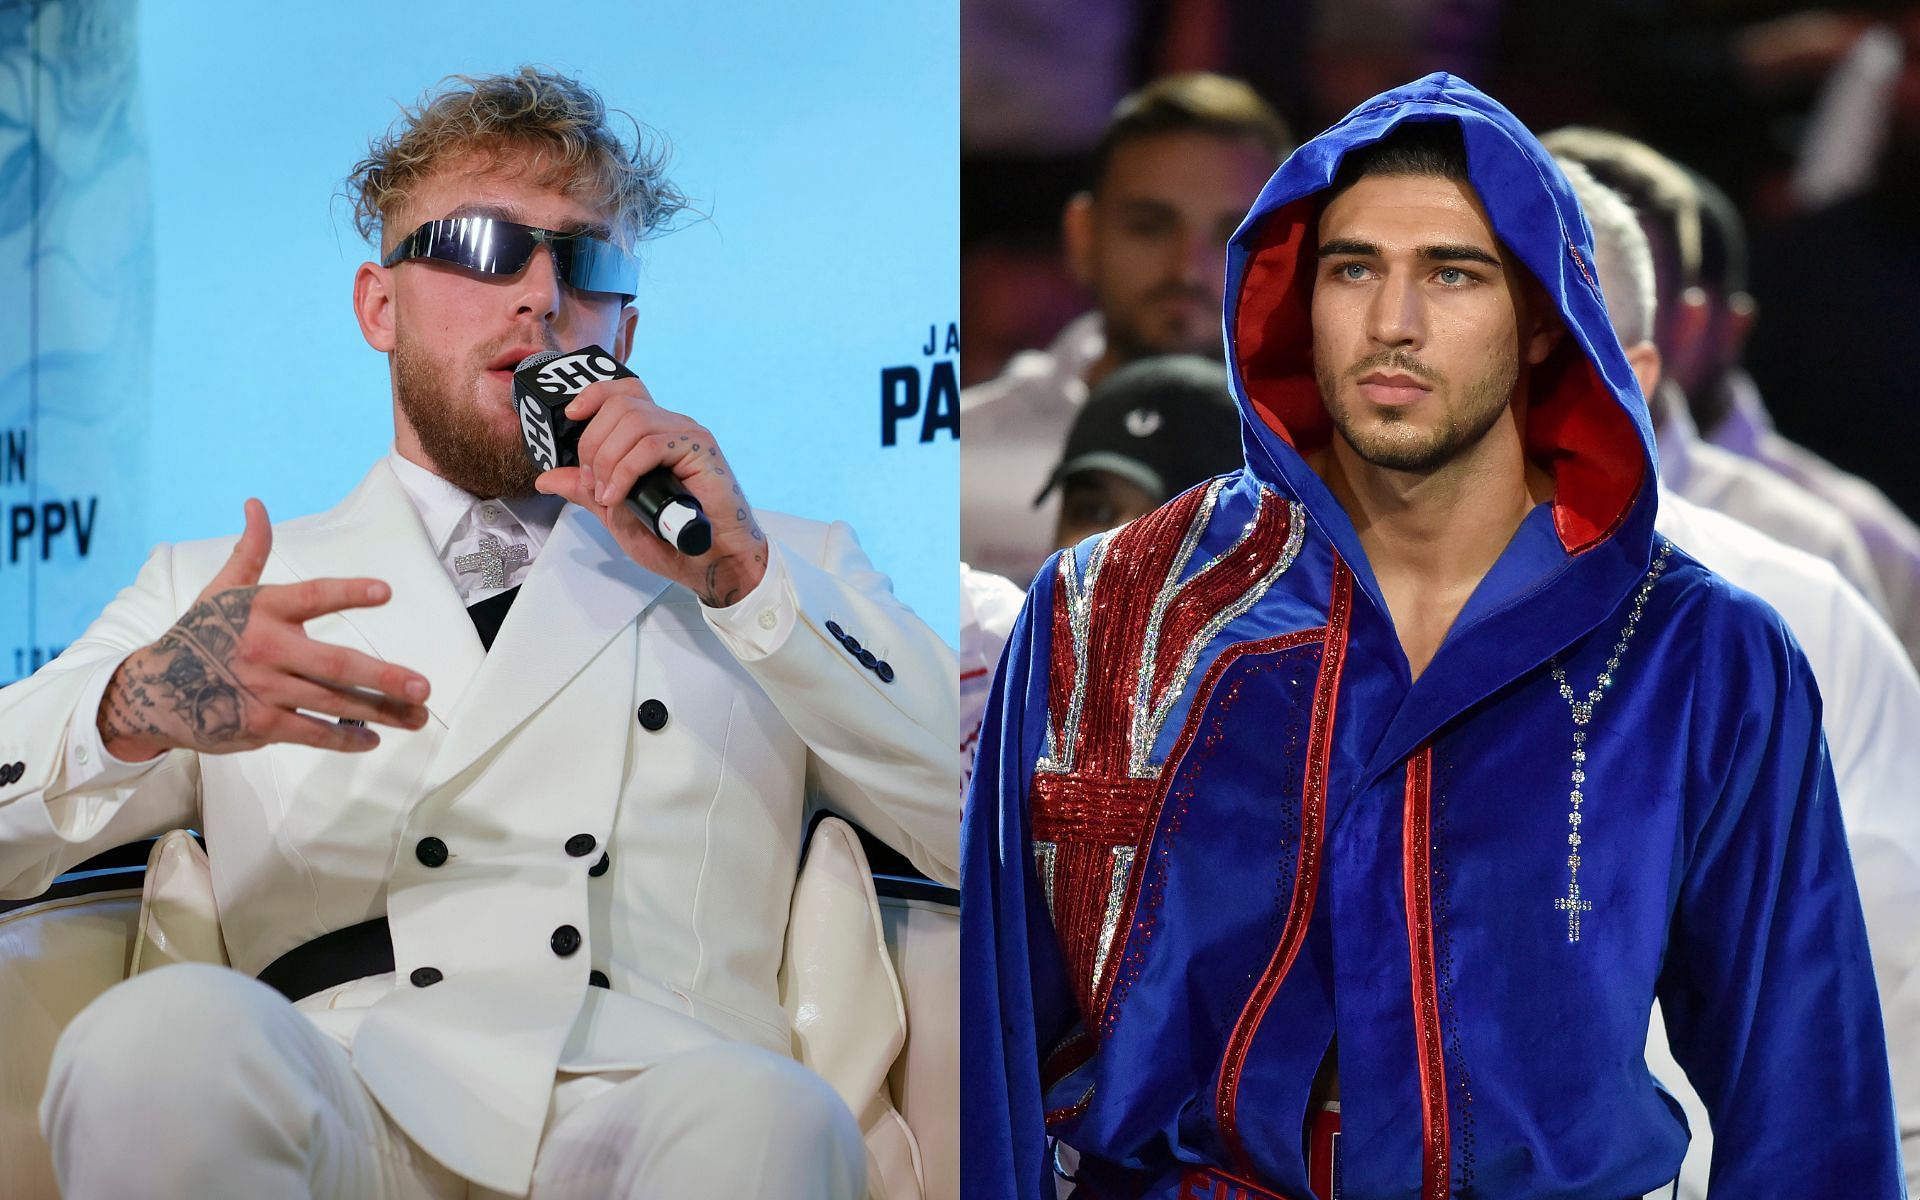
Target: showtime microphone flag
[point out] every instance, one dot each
(543, 385)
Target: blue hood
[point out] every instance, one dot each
(1588, 425)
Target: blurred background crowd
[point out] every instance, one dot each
(1770, 152)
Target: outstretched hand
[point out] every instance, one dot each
(237, 670)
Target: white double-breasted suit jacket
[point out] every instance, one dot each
(528, 746)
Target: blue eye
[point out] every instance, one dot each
(1353, 271)
(1452, 276)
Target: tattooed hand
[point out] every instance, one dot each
(627, 435)
(234, 669)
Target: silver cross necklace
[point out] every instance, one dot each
(1572, 903)
(491, 560)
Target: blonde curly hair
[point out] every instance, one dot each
(553, 127)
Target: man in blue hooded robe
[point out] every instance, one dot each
(1407, 765)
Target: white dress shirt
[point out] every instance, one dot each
(1012, 429)
(989, 605)
(1893, 541)
(1749, 493)
(1871, 714)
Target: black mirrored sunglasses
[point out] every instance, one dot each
(496, 247)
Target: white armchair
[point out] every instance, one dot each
(870, 983)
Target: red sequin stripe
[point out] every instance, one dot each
(1580, 260)
(1137, 559)
(1416, 868)
(1306, 877)
(1217, 586)
(1073, 1110)
(1206, 1183)
(1066, 1058)
(1093, 811)
(1065, 659)
(1099, 806)
(1138, 563)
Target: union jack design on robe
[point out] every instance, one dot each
(1216, 824)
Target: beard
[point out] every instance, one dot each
(1133, 334)
(1402, 447)
(466, 449)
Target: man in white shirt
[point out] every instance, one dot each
(989, 605)
(1728, 407)
(527, 891)
(1870, 691)
(1171, 179)
(1662, 197)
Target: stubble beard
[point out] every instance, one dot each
(1483, 402)
(465, 448)
(1130, 339)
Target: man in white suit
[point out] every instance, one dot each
(531, 932)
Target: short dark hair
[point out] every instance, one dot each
(1195, 102)
(1723, 238)
(1431, 148)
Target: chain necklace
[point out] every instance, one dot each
(1572, 903)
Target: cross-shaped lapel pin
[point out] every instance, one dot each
(492, 560)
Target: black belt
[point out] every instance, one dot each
(342, 957)
(332, 958)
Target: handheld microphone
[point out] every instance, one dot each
(543, 385)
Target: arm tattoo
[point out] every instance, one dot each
(711, 596)
(188, 677)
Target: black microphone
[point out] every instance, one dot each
(543, 385)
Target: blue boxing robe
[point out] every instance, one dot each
(1215, 822)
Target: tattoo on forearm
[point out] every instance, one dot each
(184, 686)
(711, 596)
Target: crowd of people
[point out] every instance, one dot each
(1080, 260)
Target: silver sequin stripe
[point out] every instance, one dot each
(1170, 587)
(1121, 873)
(1058, 760)
(1140, 765)
(1044, 855)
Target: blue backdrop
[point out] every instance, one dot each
(172, 230)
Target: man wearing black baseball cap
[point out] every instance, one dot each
(1148, 432)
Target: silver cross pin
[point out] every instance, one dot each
(492, 560)
(1573, 905)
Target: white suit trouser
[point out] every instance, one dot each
(199, 1083)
